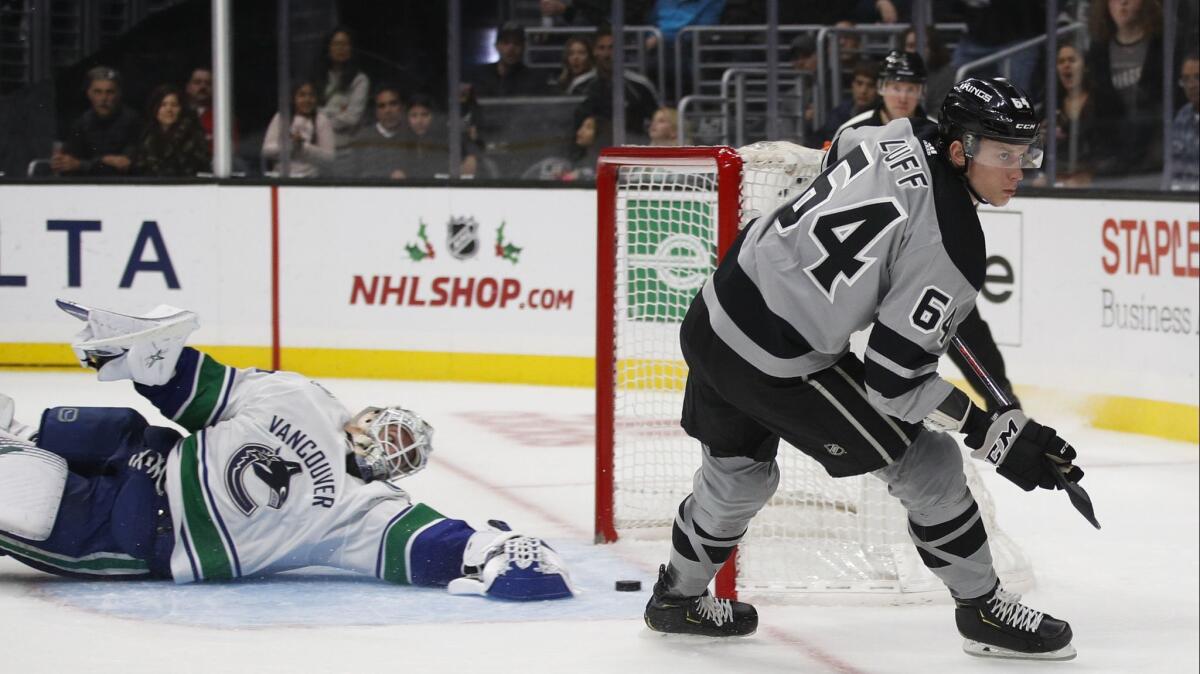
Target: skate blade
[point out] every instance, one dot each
(982, 650)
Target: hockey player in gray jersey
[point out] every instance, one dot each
(901, 86)
(886, 237)
(276, 474)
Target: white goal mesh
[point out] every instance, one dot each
(817, 534)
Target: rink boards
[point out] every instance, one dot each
(1099, 298)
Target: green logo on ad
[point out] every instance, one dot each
(671, 252)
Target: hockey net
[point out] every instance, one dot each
(665, 216)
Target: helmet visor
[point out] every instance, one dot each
(1002, 153)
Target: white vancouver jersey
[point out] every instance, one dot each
(261, 485)
(886, 237)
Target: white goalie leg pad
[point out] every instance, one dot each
(10, 428)
(142, 348)
(508, 565)
(32, 481)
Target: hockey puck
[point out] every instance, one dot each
(629, 586)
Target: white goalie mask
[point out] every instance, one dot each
(389, 442)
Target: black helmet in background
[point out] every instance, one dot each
(903, 66)
(996, 109)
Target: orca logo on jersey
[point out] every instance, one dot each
(271, 469)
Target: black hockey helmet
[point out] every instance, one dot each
(994, 108)
(903, 66)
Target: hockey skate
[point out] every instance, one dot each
(998, 625)
(704, 615)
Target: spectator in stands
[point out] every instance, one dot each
(342, 90)
(1125, 60)
(864, 92)
(849, 48)
(173, 143)
(426, 146)
(311, 134)
(937, 61)
(1081, 126)
(102, 140)
(664, 127)
(799, 105)
(377, 151)
(198, 95)
(593, 134)
(993, 26)
(576, 62)
(508, 76)
(1185, 130)
(641, 100)
(671, 17)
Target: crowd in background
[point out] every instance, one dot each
(1108, 121)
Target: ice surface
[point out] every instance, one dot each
(524, 454)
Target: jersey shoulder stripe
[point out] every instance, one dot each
(748, 310)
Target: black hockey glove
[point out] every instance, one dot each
(1023, 450)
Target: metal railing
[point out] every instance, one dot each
(744, 113)
(1005, 55)
(711, 50)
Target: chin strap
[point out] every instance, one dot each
(967, 182)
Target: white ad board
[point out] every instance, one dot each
(508, 271)
(1082, 295)
(1097, 296)
(130, 248)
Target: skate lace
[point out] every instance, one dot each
(1007, 607)
(719, 611)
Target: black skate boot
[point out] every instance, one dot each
(999, 625)
(704, 615)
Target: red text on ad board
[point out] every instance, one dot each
(1151, 247)
(456, 291)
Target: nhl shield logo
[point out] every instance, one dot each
(463, 237)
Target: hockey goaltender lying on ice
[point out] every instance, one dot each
(276, 474)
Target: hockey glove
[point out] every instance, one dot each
(142, 348)
(1023, 450)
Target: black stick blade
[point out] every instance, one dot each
(1079, 497)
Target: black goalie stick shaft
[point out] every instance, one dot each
(1078, 495)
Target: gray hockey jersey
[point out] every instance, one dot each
(886, 237)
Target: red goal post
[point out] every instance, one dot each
(727, 167)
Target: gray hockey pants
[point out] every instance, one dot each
(944, 521)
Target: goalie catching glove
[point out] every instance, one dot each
(142, 348)
(507, 565)
(1022, 450)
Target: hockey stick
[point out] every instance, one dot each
(1078, 495)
